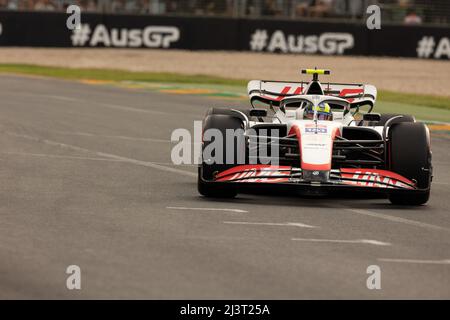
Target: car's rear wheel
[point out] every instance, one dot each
(209, 168)
(410, 156)
(241, 114)
(385, 117)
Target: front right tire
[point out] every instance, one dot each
(221, 121)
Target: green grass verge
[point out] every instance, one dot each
(114, 75)
(420, 112)
(385, 97)
(415, 99)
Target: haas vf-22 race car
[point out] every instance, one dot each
(318, 140)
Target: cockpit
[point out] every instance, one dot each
(314, 108)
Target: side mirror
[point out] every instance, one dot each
(372, 117)
(259, 113)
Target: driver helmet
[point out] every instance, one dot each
(323, 112)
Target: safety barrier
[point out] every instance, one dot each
(48, 29)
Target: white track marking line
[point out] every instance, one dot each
(281, 224)
(101, 104)
(396, 219)
(47, 155)
(360, 241)
(106, 155)
(416, 261)
(85, 134)
(208, 209)
(55, 97)
(43, 155)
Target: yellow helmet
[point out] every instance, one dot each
(323, 111)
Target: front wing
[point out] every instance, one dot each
(254, 177)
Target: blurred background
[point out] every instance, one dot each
(395, 11)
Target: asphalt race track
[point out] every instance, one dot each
(86, 179)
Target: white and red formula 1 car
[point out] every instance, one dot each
(318, 141)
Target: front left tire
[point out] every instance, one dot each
(410, 156)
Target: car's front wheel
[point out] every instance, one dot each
(220, 123)
(410, 156)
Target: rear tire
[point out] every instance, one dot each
(386, 116)
(229, 112)
(221, 122)
(410, 156)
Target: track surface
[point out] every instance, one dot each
(86, 179)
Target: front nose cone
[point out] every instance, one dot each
(316, 176)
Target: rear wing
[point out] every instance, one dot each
(272, 92)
